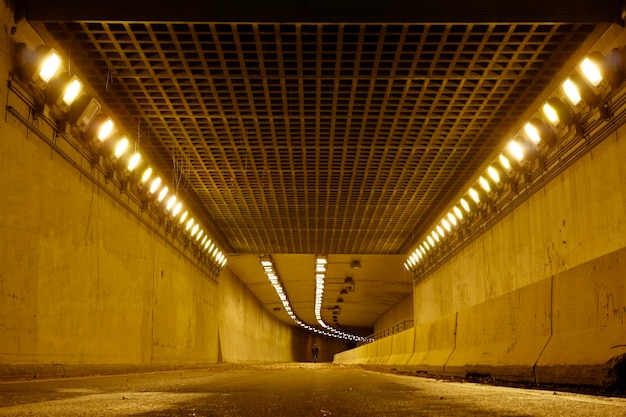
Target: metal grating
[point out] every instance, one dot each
(319, 138)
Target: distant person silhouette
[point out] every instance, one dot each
(315, 351)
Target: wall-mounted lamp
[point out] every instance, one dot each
(63, 91)
(38, 66)
(539, 133)
(578, 91)
(557, 112)
(355, 264)
(83, 112)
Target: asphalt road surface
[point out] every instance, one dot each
(315, 390)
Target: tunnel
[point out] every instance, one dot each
(435, 190)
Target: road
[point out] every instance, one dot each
(315, 390)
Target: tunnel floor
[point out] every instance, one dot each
(296, 389)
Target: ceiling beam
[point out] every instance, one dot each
(322, 11)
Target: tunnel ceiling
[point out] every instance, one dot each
(319, 138)
(336, 137)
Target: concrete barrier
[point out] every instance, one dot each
(360, 355)
(402, 347)
(370, 353)
(383, 351)
(434, 342)
(503, 337)
(567, 329)
(588, 345)
(394, 350)
(346, 357)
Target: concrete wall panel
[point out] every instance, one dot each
(384, 351)
(346, 357)
(434, 342)
(360, 354)
(371, 353)
(504, 336)
(249, 333)
(402, 347)
(589, 309)
(393, 350)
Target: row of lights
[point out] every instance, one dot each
(598, 76)
(320, 277)
(64, 95)
(272, 276)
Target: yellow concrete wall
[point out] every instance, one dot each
(346, 357)
(402, 347)
(249, 332)
(540, 297)
(394, 350)
(84, 282)
(383, 351)
(434, 343)
(576, 218)
(558, 256)
(403, 311)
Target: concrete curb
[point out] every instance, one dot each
(17, 372)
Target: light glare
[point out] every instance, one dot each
(532, 133)
(105, 130)
(484, 184)
(121, 147)
(134, 161)
(72, 91)
(505, 162)
(591, 72)
(452, 217)
(155, 185)
(493, 173)
(474, 195)
(146, 175)
(550, 113)
(162, 194)
(50, 66)
(571, 91)
(170, 203)
(516, 150)
(177, 209)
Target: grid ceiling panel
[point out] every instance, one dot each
(319, 138)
